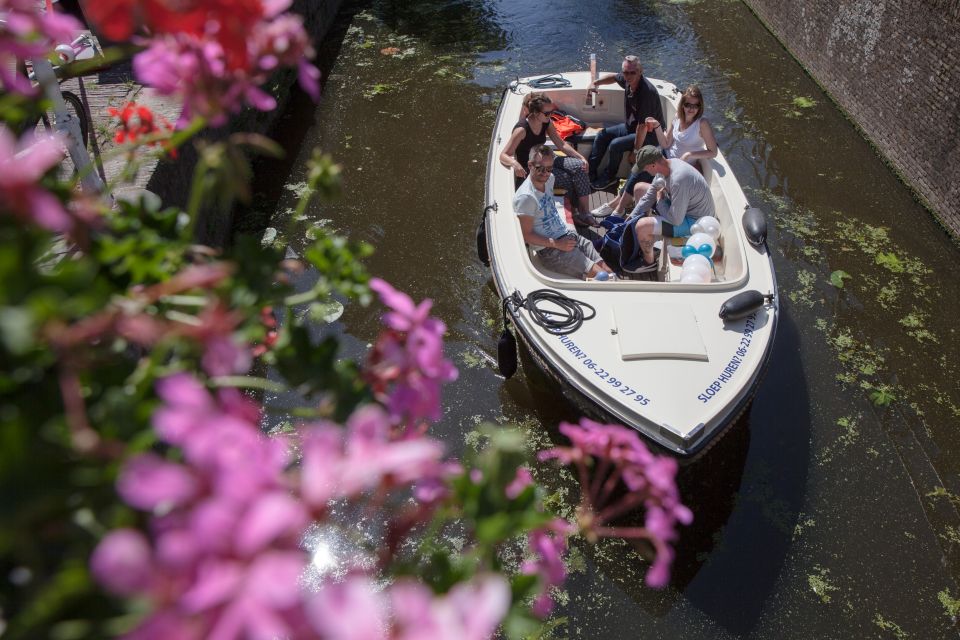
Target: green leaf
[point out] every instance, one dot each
(890, 262)
(837, 277)
(882, 396)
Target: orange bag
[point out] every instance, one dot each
(566, 125)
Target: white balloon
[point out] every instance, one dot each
(687, 277)
(695, 228)
(699, 260)
(699, 239)
(710, 226)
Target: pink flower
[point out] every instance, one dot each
(149, 482)
(342, 464)
(26, 32)
(623, 466)
(22, 165)
(357, 610)
(354, 609)
(406, 366)
(218, 70)
(469, 611)
(520, 482)
(121, 562)
(548, 545)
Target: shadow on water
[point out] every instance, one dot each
(749, 547)
(746, 491)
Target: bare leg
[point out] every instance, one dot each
(644, 230)
(583, 204)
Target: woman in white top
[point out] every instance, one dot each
(689, 137)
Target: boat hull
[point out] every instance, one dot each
(680, 395)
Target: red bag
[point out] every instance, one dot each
(566, 125)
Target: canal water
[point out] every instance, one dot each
(830, 510)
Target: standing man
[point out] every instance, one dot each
(680, 194)
(640, 101)
(544, 229)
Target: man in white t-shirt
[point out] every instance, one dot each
(559, 248)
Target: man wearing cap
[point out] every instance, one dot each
(640, 101)
(680, 199)
(559, 248)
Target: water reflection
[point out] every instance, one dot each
(822, 512)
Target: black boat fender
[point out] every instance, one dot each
(755, 226)
(743, 304)
(482, 250)
(507, 345)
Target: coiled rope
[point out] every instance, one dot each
(552, 81)
(552, 310)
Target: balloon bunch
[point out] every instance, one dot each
(698, 252)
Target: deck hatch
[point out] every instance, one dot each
(658, 331)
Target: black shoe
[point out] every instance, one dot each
(602, 184)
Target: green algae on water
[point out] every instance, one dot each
(821, 585)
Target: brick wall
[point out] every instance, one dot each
(894, 67)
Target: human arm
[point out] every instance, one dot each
(507, 157)
(709, 140)
(664, 138)
(563, 145)
(566, 243)
(607, 79)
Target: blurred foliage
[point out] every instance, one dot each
(57, 496)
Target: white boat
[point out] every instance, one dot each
(656, 356)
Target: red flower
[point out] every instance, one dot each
(137, 122)
(232, 20)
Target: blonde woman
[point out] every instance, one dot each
(690, 136)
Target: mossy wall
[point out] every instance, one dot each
(894, 67)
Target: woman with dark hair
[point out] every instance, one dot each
(689, 138)
(570, 169)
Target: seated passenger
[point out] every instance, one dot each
(570, 170)
(640, 101)
(690, 136)
(683, 198)
(543, 226)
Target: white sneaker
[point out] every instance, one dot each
(603, 210)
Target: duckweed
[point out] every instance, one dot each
(950, 604)
(821, 585)
(889, 625)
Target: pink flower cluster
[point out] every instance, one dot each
(225, 560)
(548, 545)
(406, 367)
(26, 32)
(618, 456)
(357, 609)
(22, 164)
(223, 555)
(212, 76)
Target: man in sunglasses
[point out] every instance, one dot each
(640, 101)
(559, 248)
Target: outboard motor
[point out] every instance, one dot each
(743, 304)
(755, 226)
